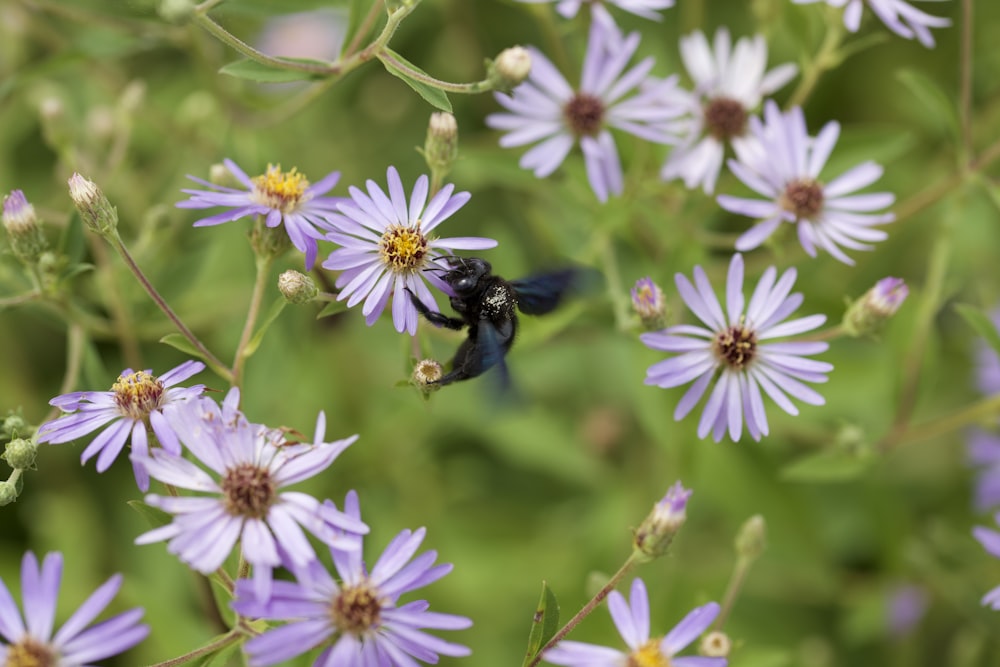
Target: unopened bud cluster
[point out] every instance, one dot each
(441, 145)
(97, 212)
(296, 287)
(23, 232)
(19, 453)
(868, 314)
(653, 536)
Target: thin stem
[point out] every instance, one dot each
(832, 333)
(74, 360)
(264, 263)
(616, 290)
(983, 409)
(463, 88)
(206, 354)
(363, 29)
(733, 588)
(965, 79)
(825, 59)
(587, 608)
(214, 646)
(19, 299)
(120, 318)
(253, 54)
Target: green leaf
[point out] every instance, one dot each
(981, 323)
(72, 242)
(178, 341)
(435, 96)
(332, 308)
(834, 465)
(544, 624)
(261, 73)
(258, 336)
(222, 657)
(155, 517)
(938, 103)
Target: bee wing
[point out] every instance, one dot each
(542, 293)
(492, 353)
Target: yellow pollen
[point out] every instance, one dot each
(649, 655)
(138, 394)
(29, 652)
(358, 609)
(279, 190)
(403, 248)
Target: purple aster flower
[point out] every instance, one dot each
(983, 451)
(358, 620)
(783, 163)
(386, 247)
(656, 532)
(906, 606)
(990, 539)
(244, 500)
(898, 15)
(987, 362)
(632, 621)
(32, 642)
(649, 303)
(729, 83)
(546, 109)
(644, 8)
(134, 404)
(281, 197)
(732, 349)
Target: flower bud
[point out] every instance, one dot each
(441, 145)
(97, 212)
(649, 304)
(751, 538)
(296, 287)
(869, 313)
(20, 453)
(176, 11)
(8, 493)
(509, 69)
(715, 645)
(654, 535)
(13, 425)
(426, 373)
(26, 237)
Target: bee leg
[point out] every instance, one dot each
(434, 317)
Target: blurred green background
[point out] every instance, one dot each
(550, 488)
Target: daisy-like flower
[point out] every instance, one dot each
(783, 163)
(990, 539)
(732, 348)
(645, 8)
(632, 621)
(546, 109)
(729, 83)
(244, 500)
(983, 452)
(281, 197)
(32, 642)
(386, 247)
(358, 619)
(898, 15)
(134, 404)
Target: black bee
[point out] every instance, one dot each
(488, 305)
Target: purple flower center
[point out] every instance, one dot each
(357, 609)
(403, 248)
(585, 114)
(736, 346)
(138, 394)
(279, 190)
(248, 491)
(648, 655)
(725, 118)
(29, 652)
(802, 198)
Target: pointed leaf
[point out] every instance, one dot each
(834, 465)
(937, 103)
(544, 624)
(332, 308)
(258, 336)
(221, 657)
(154, 516)
(435, 96)
(261, 73)
(981, 323)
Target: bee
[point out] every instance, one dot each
(488, 305)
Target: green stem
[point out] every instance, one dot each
(981, 410)
(206, 354)
(264, 264)
(462, 88)
(825, 59)
(832, 333)
(587, 608)
(74, 360)
(363, 29)
(253, 54)
(214, 646)
(19, 299)
(733, 588)
(120, 317)
(965, 80)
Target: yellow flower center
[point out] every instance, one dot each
(649, 655)
(736, 346)
(138, 394)
(29, 652)
(357, 609)
(279, 190)
(403, 248)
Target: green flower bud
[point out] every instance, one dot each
(25, 236)
(269, 241)
(20, 453)
(868, 314)
(509, 69)
(8, 493)
(653, 537)
(296, 287)
(14, 425)
(751, 539)
(97, 212)
(649, 304)
(441, 145)
(176, 11)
